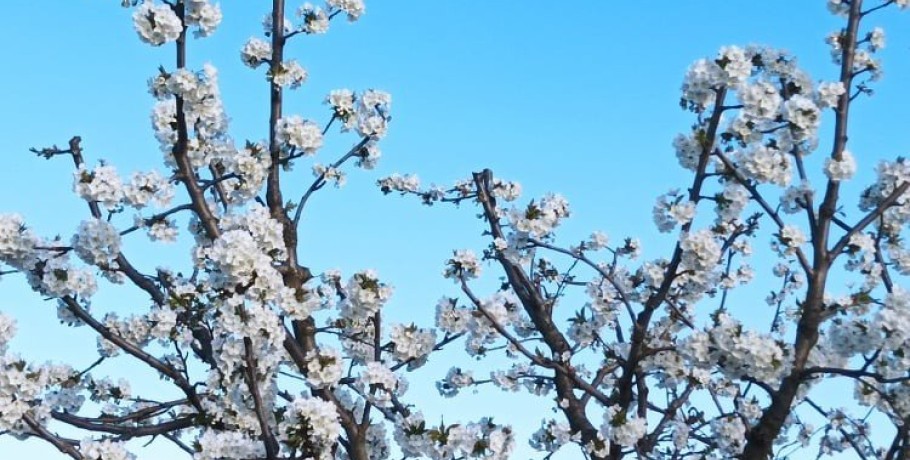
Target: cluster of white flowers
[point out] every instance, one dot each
(236, 256)
(311, 425)
(671, 210)
(450, 318)
(315, 19)
(368, 114)
(157, 24)
(251, 165)
(287, 25)
(890, 175)
(97, 242)
(861, 251)
(700, 250)
(739, 353)
(540, 219)
(771, 89)
(597, 241)
(148, 187)
(702, 80)
(621, 428)
(408, 183)
(373, 114)
(17, 243)
(736, 65)
(101, 185)
(796, 197)
(731, 202)
(829, 93)
(411, 343)
(839, 7)
(203, 14)
(16, 391)
(255, 52)
(353, 8)
(324, 367)
(163, 322)
(289, 74)
(365, 294)
(7, 331)
(361, 297)
(863, 61)
(34, 390)
(802, 113)
(551, 436)
(876, 38)
(765, 164)
(104, 450)
(584, 330)
(730, 433)
(789, 240)
(217, 445)
(464, 265)
(688, 150)
(134, 328)
(501, 308)
(505, 190)
(761, 100)
(841, 170)
(863, 57)
(387, 383)
(480, 440)
(298, 135)
(510, 379)
(48, 270)
(330, 174)
(894, 319)
(53, 276)
(849, 337)
(164, 230)
(605, 296)
(454, 381)
(342, 102)
(104, 186)
(203, 109)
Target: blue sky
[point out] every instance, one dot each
(581, 99)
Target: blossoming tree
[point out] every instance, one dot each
(272, 360)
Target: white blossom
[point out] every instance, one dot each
(157, 24)
(840, 170)
(299, 134)
(255, 52)
(97, 242)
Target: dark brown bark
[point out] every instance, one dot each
(760, 439)
(535, 306)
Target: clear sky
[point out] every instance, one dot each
(577, 97)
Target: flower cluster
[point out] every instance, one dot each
(324, 367)
(541, 218)
(671, 210)
(104, 450)
(157, 24)
(97, 242)
(102, 185)
(298, 135)
(411, 343)
(463, 266)
(740, 353)
(483, 439)
(311, 425)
